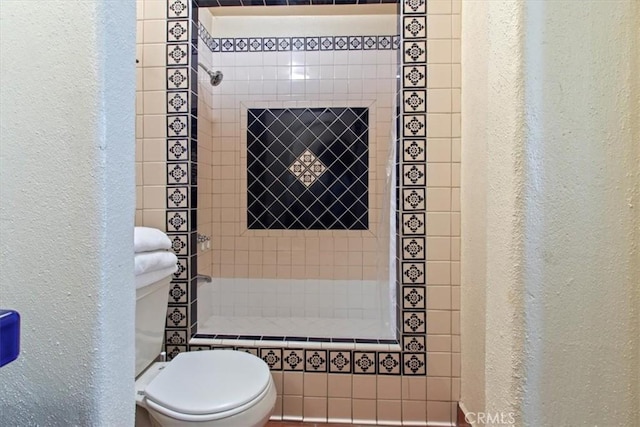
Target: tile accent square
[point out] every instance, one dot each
(413, 297)
(413, 273)
(176, 317)
(177, 149)
(177, 78)
(414, 344)
(177, 54)
(312, 43)
(415, 27)
(413, 199)
(307, 169)
(326, 43)
(177, 221)
(340, 362)
(177, 173)
(364, 362)
(414, 6)
(255, 44)
(415, 126)
(316, 360)
(415, 101)
(414, 364)
(284, 43)
(177, 102)
(178, 31)
(174, 350)
(341, 42)
(177, 9)
(226, 45)
(355, 43)
(414, 322)
(178, 293)
(241, 45)
(270, 44)
(414, 150)
(177, 126)
(369, 42)
(413, 248)
(272, 357)
(180, 244)
(415, 76)
(415, 51)
(177, 197)
(413, 223)
(176, 337)
(413, 174)
(182, 273)
(297, 43)
(389, 363)
(293, 360)
(385, 42)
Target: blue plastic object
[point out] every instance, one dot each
(9, 336)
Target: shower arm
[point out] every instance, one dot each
(201, 65)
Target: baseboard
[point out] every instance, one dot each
(461, 417)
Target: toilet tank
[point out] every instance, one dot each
(151, 314)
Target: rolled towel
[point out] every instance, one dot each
(151, 261)
(146, 279)
(149, 239)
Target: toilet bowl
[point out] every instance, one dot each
(219, 388)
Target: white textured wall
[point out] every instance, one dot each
(66, 217)
(551, 103)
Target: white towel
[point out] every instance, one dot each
(146, 279)
(149, 239)
(151, 261)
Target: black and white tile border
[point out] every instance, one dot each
(411, 236)
(181, 172)
(296, 44)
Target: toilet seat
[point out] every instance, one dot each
(208, 385)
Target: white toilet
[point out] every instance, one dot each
(220, 388)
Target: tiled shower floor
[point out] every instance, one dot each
(295, 326)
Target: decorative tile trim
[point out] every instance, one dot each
(181, 200)
(340, 362)
(272, 357)
(296, 44)
(411, 193)
(248, 3)
(315, 360)
(312, 360)
(415, 27)
(389, 364)
(293, 360)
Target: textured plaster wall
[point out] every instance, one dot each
(551, 104)
(67, 190)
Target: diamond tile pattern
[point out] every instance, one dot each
(307, 168)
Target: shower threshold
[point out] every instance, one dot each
(312, 327)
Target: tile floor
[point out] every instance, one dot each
(300, 424)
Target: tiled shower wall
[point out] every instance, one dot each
(297, 77)
(340, 385)
(418, 383)
(206, 96)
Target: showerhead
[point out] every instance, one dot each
(216, 76)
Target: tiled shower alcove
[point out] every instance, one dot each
(414, 382)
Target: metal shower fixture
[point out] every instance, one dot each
(216, 76)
